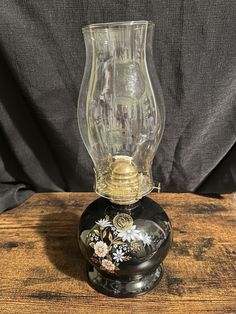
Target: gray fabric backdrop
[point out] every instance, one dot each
(41, 67)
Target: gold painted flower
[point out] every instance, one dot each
(123, 221)
(100, 249)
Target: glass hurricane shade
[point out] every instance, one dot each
(120, 109)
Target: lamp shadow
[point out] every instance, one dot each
(59, 233)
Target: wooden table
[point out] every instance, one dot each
(42, 271)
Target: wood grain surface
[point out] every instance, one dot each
(42, 270)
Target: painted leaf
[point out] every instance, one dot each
(96, 231)
(104, 233)
(92, 244)
(110, 237)
(127, 258)
(94, 259)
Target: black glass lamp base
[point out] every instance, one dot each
(124, 245)
(127, 287)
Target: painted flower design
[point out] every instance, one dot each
(115, 240)
(147, 240)
(129, 235)
(104, 223)
(119, 256)
(108, 265)
(100, 249)
(123, 221)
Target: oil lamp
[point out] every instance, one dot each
(124, 235)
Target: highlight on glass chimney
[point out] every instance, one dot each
(121, 111)
(123, 235)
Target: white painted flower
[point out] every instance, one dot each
(129, 235)
(103, 223)
(100, 249)
(147, 240)
(108, 265)
(118, 256)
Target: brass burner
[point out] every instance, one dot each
(123, 183)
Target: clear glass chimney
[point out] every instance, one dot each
(121, 110)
